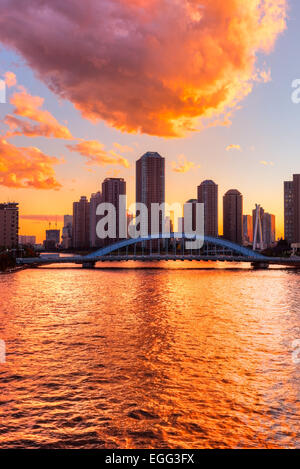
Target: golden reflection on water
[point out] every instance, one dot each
(149, 358)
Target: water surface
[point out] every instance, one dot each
(149, 358)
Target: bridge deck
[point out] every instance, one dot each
(155, 257)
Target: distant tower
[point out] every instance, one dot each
(95, 200)
(81, 223)
(208, 195)
(269, 229)
(247, 229)
(289, 211)
(233, 216)
(296, 201)
(192, 202)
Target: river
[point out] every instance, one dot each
(170, 356)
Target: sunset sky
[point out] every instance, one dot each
(93, 85)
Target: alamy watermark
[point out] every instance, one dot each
(296, 93)
(296, 352)
(113, 222)
(2, 92)
(2, 352)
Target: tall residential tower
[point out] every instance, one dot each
(208, 195)
(150, 184)
(233, 216)
(9, 225)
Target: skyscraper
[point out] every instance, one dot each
(289, 211)
(52, 239)
(247, 229)
(233, 216)
(150, 184)
(208, 195)
(112, 189)
(266, 228)
(81, 223)
(95, 200)
(193, 202)
(67, 232)
(9, 225)
(296, 201)
(269, 229)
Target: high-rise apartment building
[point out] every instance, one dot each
(233, 216)
(292, 211)
(81, 224)
(208, 195)
(67, 232)
(95, 200)
(150, 184)
(289, 211)
(52, 239)
(296, 201)
(269, 229)
(266, 228)
(193, 203)
(9, 225)
(112, 189)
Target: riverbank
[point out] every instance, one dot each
(13, 270)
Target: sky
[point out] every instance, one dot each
(207, 84)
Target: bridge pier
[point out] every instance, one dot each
(260, 265)
(88, 265)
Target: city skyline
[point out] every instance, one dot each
(45, 222)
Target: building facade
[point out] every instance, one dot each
(233, 216)
(81, 224)
(27, 240)
(269, 229)
(112, 189)
(67, 232)
(208, 195)
(292, 211)
(266, 228)
(296, 201)
(9, 225)
(247, 229)
(289, 211)
(95, 200)
(150, 185)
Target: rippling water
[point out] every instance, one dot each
(149, 358)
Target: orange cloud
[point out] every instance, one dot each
(158, 67)
(183, 166)
(267, 163)
(10, 79)
(26, 167)
(96, 154)
(234, 147)
(29, 107)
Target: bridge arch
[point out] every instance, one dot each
(219, 242)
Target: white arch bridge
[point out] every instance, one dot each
(171, 247)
